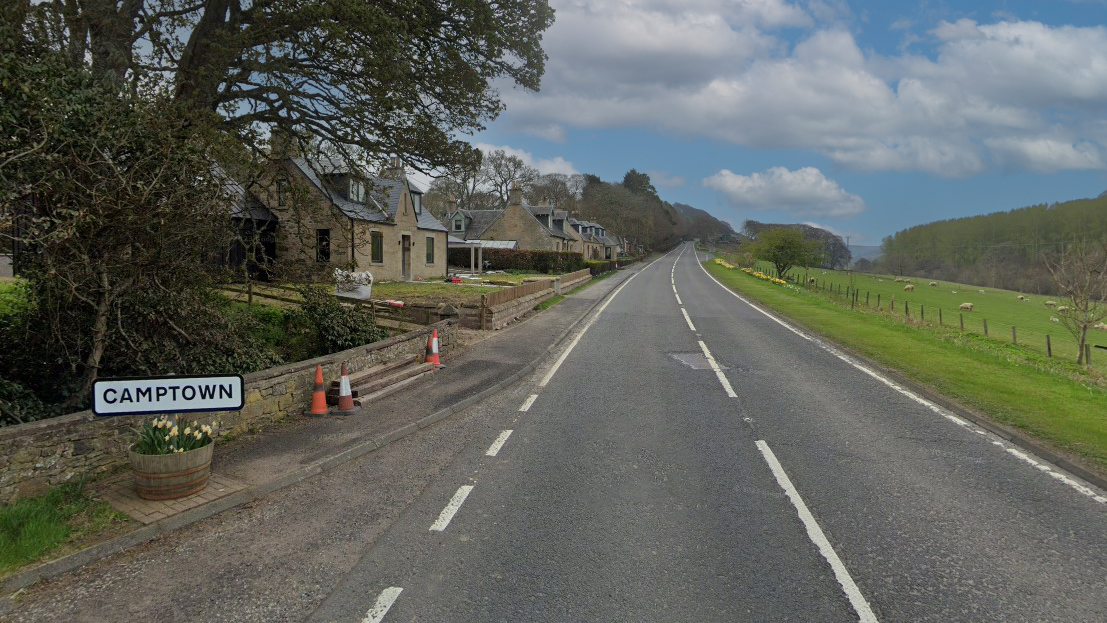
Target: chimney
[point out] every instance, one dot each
(451, 204)
(515, 197)
(283, 144)
(394, 170)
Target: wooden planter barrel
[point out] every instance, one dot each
(170, 476)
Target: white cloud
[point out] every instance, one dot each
(805, 192)
(544, 165)
(662, 179)
(1005, 94)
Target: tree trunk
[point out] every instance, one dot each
(1080, 344)
(99, 341)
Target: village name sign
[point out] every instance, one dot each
(167, 394)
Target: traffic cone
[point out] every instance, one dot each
(346, 403)
(318, 396)
(432, 350)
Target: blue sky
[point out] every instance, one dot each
(863, 117)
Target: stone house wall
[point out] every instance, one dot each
(37, 455)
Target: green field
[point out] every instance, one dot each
(1001, 308)
(1052, 399)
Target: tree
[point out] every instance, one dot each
(639, 183)
(784, 247)
(502, 171)
(402, 77)
(1080, 271)
(560, 189)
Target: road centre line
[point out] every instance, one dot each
(451, 509)
(718, 371)
(932, 406)
(528, 402)
(688, 319)
(592, 321)
(383, 605)
(679, 302)
(494, 449)
(815, 533)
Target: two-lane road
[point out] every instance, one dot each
(693, 458)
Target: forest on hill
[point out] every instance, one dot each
(630, 208)
(1003, 249)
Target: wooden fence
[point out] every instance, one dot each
(499, 297)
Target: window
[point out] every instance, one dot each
(430, 249)
(376, 247)
(459, 222)
(357, 191)
(322, 245)
(282, 193)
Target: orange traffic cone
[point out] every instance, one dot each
(346, 403)
(318, 396)
(432, 350)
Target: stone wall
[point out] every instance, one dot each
(37, 455)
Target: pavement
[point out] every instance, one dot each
(251, 467)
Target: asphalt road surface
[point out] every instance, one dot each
(689, 457)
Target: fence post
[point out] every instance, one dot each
(985, 327)
(922, 313)
(1049, 347)
(866, 298)
(878, 301)
(1014, 338)
(1087, 354)
(962, 320)
(939, 316)
(906, 309)
(483, 311)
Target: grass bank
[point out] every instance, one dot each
(64, 520)
(557, 298)
(1054, 400)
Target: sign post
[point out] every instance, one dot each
(167, 394)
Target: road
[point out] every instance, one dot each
(689, 457)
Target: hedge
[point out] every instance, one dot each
(550, 262)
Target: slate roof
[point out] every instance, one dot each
(384, 198)
(479, 221)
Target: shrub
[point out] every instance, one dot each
(336, 327)
(529, 260)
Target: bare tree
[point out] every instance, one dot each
(1080, 271)
(501, 169)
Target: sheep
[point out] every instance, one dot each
(899, 279)
(953, 291)
(909, 287)
(810, 280)
(980, 291)
(1021, 297)
(1051, 303)
(1102, 326)
(966, 306)
(1054, 319)
(934, 283)
(1063, 308)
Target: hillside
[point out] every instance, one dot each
(700, 224)
(1002, 249)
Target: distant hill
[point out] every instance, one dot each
(864, 252)
(1001, 249)
(700, 224)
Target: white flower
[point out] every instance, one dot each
(173, 431)
(188, 430)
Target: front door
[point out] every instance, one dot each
(405, 262)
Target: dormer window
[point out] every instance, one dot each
(459, 223)
(357, 191)
(417, 200)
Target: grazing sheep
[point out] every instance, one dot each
(1021, 297)
(899, 279)
(1102, 326)
(1054, 319)
(953, 291)
(980, 291)
(934, 283)
(909, 287)
(1051, 303)
(966, 306)
(1063, 308)
(810, 280)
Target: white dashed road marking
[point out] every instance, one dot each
(383, 605)
(494, 449)
(451, 509)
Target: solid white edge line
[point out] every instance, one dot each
(529, 402)
(494, 449)
(591, 321)
(815, 533)
(718, 371)
(1056, 474)
(688, 319)
(383, 605)
(451, 509)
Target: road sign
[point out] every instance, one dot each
(167, 394)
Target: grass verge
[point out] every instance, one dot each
(1056, 401)
(63, 520)
(557, 298)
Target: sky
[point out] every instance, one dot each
(861, 117)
